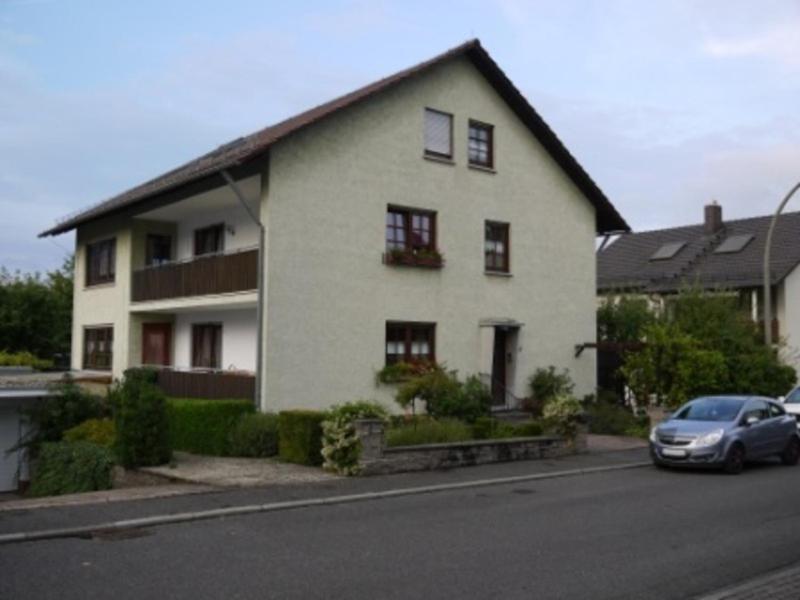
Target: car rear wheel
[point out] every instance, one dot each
(791, 454)
(734, 461)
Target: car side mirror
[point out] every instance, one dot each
(751, 420)
(781, 399)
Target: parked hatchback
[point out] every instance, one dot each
(792, 404)
(725, 431)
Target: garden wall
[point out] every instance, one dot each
(377, 459)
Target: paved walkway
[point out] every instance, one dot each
(778, 585)
(236, 472)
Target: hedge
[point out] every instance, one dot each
(97, 431)
(300, 436)
(254, 435)
(204, 426)
(71, 467)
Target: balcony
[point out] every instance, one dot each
(200, 276)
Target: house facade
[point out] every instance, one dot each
(715, 255)
(432, 215)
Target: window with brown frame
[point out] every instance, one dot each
(207, 345)
(101, 262)
(410, 342)
(158, 250)
(408, 230)
(438, 134)
(97, 348)
(496, 244)
(480, 144)
(209, 240)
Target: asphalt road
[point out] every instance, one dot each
(640, 533)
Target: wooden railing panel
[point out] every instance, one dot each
(209, 385)
(214, 274)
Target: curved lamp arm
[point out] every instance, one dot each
(767, 271)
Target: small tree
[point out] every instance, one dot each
(623, 319)
(142, 423)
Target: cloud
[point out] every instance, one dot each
(780, 43)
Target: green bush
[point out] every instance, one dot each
(97, 431)
(546, 384)
(610, 419)
(71, 467)
(69, 407)
(254, 435)
(429, 431)
(205, 426)
(300, 436)
(341, 447)
(445, 396)
(562, 414)
(529, 429)
(23, 359)
(140, 417)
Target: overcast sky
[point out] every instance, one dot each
(667, 105)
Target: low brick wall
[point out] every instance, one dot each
(377, 459)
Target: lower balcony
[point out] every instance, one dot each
(212, 385)
(199, 276)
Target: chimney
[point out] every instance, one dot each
(713, 222)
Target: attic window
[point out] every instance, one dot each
(668, 251)
(733, 244)
(438, 134)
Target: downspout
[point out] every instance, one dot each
(260, 308)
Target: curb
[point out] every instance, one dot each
(87, 531)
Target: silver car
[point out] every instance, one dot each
(725, 431)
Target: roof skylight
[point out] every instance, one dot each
(668, 251)
(734, 243)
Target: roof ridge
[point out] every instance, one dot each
(725, 222)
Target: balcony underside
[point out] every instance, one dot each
(234, 301)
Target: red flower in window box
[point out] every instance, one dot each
(418, 257)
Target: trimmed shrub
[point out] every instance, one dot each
(205, 426)
(610, 419)
(487, 428)
(24, 359)
(54, 415)
(71, 467)
(140, 416)
(341, 447)
(300, 436)
(96, 431)
(429, 431)
(254, 436)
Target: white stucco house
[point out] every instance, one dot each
(430, 215)
(716, 255)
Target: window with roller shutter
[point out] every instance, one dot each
(438, 134)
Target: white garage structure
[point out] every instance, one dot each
(13, 426)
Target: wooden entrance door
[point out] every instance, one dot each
(157, 344)
(499, 367)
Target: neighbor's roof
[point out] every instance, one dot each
(627, 263)
(246, 149)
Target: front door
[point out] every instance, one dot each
(499, 368)
(157, 344)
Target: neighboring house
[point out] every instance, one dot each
(715, 255)
(430, 215)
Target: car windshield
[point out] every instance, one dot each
(794, 397)
(710, 409)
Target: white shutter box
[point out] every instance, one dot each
(438, 128)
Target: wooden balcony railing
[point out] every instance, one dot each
(212, 274)
(213, 385)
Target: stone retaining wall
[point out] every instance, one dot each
(377, 459)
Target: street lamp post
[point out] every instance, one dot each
(767, 271)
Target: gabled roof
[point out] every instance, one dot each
(627, 263)
(246, 149)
